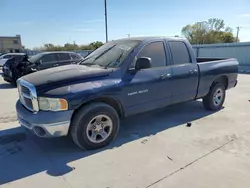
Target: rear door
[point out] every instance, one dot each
(148, 89)
(185, 73)
(48, 61)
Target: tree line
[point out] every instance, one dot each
(69, 47)
(212, 31)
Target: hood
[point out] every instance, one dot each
(64, 75)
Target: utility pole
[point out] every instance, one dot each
(237, 35)
(106, 20)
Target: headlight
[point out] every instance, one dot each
(52, 104)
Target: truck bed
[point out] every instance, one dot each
(206, 59)
(211, 68)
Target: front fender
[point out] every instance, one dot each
(80, 93)
(109, 100)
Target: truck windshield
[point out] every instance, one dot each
(110, 54)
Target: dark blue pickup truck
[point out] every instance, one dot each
(122, 78)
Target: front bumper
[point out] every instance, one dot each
(44, 124)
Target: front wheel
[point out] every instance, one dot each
(94, 126)
(215, 98)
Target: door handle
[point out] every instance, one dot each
(56, 65)
(194, 71)
(165, 76)
(191, 72)
(168, 75)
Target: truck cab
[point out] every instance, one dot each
(165, 61)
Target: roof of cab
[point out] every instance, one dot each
(153, 38)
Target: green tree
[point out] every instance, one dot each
(49, 46)
(95, 45)
(207, 32)
(70, 47)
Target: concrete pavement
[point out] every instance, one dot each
(155, 149)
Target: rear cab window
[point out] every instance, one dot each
(180, 52)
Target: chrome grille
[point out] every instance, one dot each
(27, 95)
(25, 90)
(27, 102)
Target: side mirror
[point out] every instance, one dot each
(143, 63)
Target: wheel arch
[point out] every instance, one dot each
(114, 103)
(221, 79)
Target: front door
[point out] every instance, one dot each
(148, 89)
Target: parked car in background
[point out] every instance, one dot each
(84, 53)
(41, 61)
(121, 78)
(5, 57)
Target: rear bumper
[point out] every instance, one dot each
(44, 124)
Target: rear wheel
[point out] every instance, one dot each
(215, 98)
(94, 126)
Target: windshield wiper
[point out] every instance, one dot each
(85, 60)
(92, 63)
(86, 63)
(104, 52)
(117, 60)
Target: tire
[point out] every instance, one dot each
(84, 121)
(215, 98)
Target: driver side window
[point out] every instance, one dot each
(155, 51)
